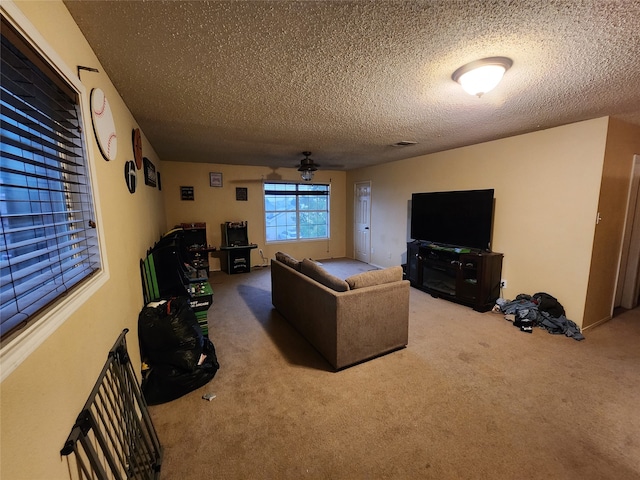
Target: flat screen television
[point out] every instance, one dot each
(457, 218)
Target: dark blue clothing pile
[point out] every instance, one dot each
(526, 314)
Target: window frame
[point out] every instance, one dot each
(297, 193)
(15, 349)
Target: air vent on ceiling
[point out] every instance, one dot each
(403, 143)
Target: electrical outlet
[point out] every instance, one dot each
(503, 283)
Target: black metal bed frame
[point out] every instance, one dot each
(113, 437)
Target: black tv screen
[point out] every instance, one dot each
(458, 218)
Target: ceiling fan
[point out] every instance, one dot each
(307, 167)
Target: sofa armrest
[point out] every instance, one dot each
(371, 321)
(306, 304)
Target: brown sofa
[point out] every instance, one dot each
(347, 321)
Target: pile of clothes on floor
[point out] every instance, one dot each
(538, 310)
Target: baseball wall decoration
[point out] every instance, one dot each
(103, 125)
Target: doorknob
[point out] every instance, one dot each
(366, 228)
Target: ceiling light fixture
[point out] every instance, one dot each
(307, 175)
(482, 76)
(307, 167)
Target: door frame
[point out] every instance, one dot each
(628, 284)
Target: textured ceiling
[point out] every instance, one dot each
(258, 82)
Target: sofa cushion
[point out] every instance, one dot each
(312, 270)
(288, 260)
(375, 277)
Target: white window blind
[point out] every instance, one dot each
(48, 240)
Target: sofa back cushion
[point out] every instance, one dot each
(312, 270)
(288, 260)
(375, 277)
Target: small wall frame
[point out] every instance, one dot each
(215, 179)
(187, 193)
(150, 177)
(241, 194)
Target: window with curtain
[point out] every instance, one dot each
(48, 239)
(296, 211)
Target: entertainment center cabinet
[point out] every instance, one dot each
(463, 275)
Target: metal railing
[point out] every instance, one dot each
(113, 437)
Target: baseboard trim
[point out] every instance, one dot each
(595, 324)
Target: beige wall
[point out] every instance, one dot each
(546, 195)
(547, 191)
(215, 205)
(42, 397)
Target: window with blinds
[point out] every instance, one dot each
(296, 211)
(48, 240)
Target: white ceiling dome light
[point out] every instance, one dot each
(482, 76)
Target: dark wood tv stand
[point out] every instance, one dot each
(463, 275)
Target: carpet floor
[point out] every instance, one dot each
(471, 397)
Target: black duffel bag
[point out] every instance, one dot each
(548, 303)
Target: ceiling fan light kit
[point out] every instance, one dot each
(307, 167)
(482, 76)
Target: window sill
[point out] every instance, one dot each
(18, 348)
(296, 240)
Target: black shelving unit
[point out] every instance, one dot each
(195, 240)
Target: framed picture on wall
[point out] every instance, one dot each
(241, 194)
(149, 172)
(215, 179)
(187, 193)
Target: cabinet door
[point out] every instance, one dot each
(413, 263)
(491, 275)
(470, 277)
(440, 271)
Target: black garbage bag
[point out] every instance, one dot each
(163, 383)
(179, 356)
(169, 334)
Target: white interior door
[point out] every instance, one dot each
(362, 219)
